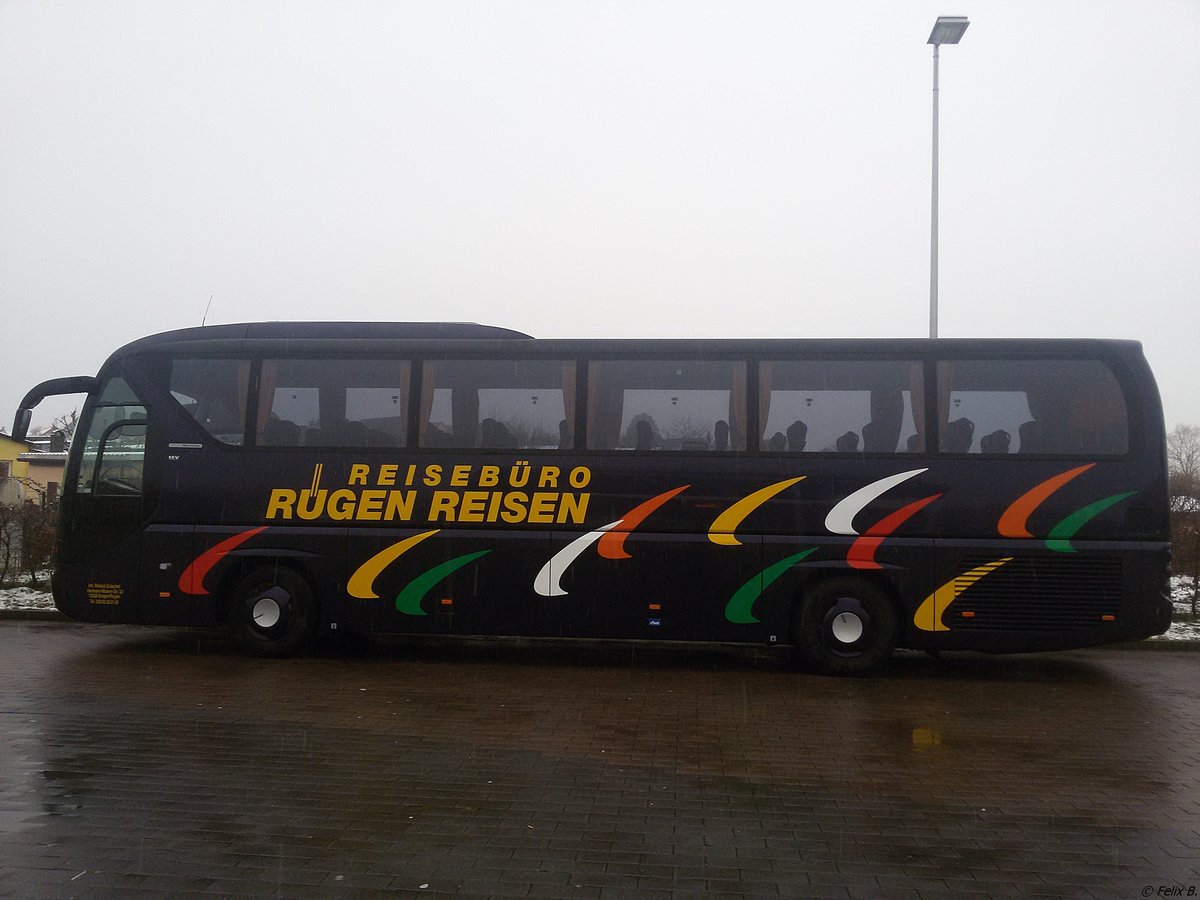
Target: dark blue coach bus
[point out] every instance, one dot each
(846, 497)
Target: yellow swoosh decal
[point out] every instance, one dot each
(722, 530)
(362, 582)
(929, 615)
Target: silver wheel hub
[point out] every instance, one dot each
(847, 627)
(266, 612)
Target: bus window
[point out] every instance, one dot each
(114, 449)
(840, 406)
(213, 392)
(333, 403)
(689, 405)
(499, 404)
(1062, 407)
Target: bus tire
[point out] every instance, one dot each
(845, 626)
(272, 612)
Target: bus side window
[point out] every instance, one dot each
(213, 392)
(1057, 407)
(644, 405)
(498, 404)
(840, 406)
(333, 402)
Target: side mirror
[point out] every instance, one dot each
(21, 424)
(78, 384)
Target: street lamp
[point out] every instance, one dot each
(946, 30)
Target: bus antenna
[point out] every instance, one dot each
(204, 319)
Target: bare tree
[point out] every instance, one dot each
(65, 424)
(37, 524)
(1183, 453)
(687, 429)
(1183, 464)
(10, 541)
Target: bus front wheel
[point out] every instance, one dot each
(846, 627)
(272, 612)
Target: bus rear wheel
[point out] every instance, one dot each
(846, 627)
(272, 612)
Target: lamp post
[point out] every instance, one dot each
(946, 30)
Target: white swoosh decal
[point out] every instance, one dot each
(841, 518)
(546, 582)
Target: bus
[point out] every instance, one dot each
(842, 497)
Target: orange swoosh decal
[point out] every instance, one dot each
(1014, 522)
(612, 545)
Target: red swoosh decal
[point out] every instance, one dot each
(612, 545)
(192, 579)
(862, 551)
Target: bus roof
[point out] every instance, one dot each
(332, 331)
(436, 335)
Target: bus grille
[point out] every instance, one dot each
(1039, 594)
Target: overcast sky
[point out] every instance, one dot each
(673, 168)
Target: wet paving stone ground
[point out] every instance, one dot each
(141, 762)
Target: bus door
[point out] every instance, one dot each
(98, 571)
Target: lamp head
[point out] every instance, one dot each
(948, 30)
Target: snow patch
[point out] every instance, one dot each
(25, 598)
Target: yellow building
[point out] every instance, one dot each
(44, 474)
(32, 470)
(12, 468)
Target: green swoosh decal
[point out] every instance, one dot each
(1060, 534)
(408, 601)
(739, 609)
